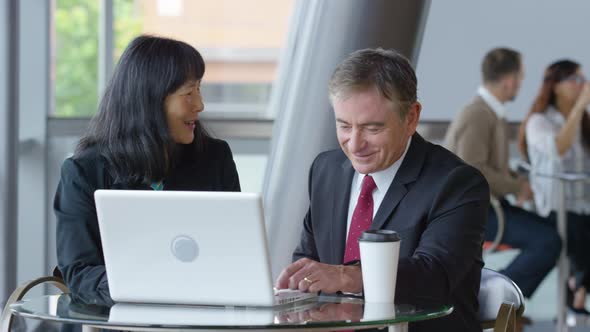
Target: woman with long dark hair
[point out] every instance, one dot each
(145, 136)
(555, 138)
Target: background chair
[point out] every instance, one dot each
(18, 294)
(496, 244)
(500, 302)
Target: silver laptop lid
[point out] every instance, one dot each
(185, 247)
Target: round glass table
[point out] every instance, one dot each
(321, 313)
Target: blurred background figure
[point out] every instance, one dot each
(479, 135)
(555, 137)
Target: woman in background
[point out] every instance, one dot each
(555, 136)
(146, 135)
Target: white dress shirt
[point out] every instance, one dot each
(541, 132)
(382, 179)
(492, 101)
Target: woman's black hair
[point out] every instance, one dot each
(130, 128)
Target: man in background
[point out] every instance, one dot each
(479, 135)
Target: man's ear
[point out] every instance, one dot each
(413, 117)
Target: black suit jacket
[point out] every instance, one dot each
(79, 250)
(437, 204)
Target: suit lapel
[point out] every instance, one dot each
(407, 173)
(340, 204)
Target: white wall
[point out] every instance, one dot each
(459, 33)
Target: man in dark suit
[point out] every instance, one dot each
(388, 174)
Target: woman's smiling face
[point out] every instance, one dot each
(182, 108)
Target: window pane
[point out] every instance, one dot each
(75, 47)
(240, 41)
(127, 24)
(76, 51)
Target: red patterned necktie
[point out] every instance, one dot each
(361, 219)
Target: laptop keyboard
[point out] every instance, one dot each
(284, 296)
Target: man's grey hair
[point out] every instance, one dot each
(386, 70)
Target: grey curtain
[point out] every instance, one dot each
(323, 33)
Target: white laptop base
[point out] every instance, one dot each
(186, 248)
(178, 315)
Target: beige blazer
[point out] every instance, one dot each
(480, 138)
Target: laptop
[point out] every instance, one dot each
(176, 247)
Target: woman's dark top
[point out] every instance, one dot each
(79, 250)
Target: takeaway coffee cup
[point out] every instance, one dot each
(379, 256)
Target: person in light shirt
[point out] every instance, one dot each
(479, 135)
(555, 138)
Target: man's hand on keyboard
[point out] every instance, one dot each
(311, 276)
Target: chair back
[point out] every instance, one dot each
(7, 317)
(500, 301)
(496, 244)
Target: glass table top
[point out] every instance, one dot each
(320, 312)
